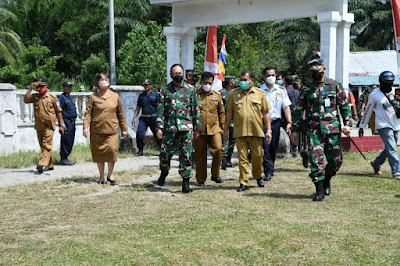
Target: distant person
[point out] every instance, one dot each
(212, 117)
(387, 122)
(279, 79)
(103, 117)
(178, 123)
(364, 101)
(249, 107)
(147, 102)
(293, 96)
(352, 102)
(69, 115)
(192, 77)
(47, 110)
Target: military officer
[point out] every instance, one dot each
(228, 145)
(321, 99)
(69, 115)
(178, 118)
(147, 102)
(192, 77)
(246, 105)
(46, 109)
(212, 117)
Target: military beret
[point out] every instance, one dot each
(316, 64)
(147, 82)
(41, 81)
(67, 84)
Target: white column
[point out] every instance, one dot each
(174, 36)
(343, 49)
(187, 51)
(328, 22)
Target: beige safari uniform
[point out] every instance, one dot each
(45, 110)
(104, 115)
(247, 111)
(212, 117)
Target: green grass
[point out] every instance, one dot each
(68, 222)
(80, 153)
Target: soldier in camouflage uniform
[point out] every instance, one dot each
(321, 98)
(178, 118)
(192, 77)
(229, 144)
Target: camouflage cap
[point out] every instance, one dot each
(316, 64)
(147, 82)
(228, 78)
(191, 72)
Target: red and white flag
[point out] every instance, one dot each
(211, 62)
(396, 23)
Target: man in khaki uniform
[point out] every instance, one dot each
(46, 110)
(246, 105)
(212, 117)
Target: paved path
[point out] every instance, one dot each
(10, 177)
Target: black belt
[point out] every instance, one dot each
(275, 121)
(144, 115)
(70, 119)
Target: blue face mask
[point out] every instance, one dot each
(279, 82)
(244, 85)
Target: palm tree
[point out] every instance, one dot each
(10, 42)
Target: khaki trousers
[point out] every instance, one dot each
(45, 138)
(214, 143)
(255, 144)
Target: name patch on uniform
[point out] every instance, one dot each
(278, 95)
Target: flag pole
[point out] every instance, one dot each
(113, 76)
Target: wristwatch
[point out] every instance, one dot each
(269, 130)
(63, 125)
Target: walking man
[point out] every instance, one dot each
(178, 118)
(278, 98)
(249, 107)
(69, 115)
(321, 99)
(387, 123)
(212, 117)
(228, 145)
(147, 102)
(46, 109)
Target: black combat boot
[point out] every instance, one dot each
(327, 185)
(319, 188)
(161, 180)
(185, 186)
(224, 163)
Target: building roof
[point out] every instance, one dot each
(365, 67)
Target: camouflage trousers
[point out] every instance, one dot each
(329, 145)
(228, 145)
(171, 142)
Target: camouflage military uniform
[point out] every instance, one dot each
(229, 144)
(178, 115)
(321, 104)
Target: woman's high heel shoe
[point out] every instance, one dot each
(113, 182)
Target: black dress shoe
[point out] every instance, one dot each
(229, 164)
(217, 180)
(201, 184)
(242, 188)
(268, 177)
(48, 168)
(66, 162)
(100, 182)
(260, 182)
(161, 179)
(113, 182)
(139, 153)
(40, 168)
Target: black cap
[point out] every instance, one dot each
(67, 84)
(41, 81)
(147, 82)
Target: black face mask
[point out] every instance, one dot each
(195, 78)
(386, 87)
(178, 77)
(317, 76)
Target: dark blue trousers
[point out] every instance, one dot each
(271, 149)
(67, 140)
(144, 123)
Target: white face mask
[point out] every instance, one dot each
(104, 83)
(206, 88)
(271, 80)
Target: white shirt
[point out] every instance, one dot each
(385, 115)
(278, 98)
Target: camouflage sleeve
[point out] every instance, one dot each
(195, 109)
(160, 109)
(343, 104)
(298, 112)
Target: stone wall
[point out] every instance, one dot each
(17, 132)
